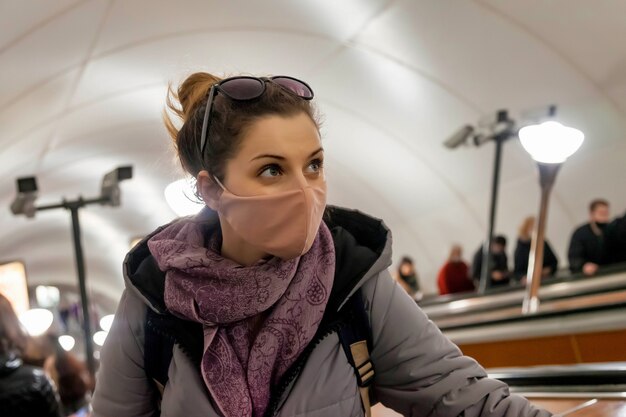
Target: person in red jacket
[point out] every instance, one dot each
(453, 276)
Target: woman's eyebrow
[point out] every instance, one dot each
(316, 152)
(282, 158)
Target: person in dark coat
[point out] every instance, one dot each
(616, 240)
(587, 249)
(499, 274)
(522, 253)
(24, 390)
(454, 274)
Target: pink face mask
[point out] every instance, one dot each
(282, 224)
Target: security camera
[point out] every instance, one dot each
(480, 139)
(459, 137)
(27, 185)
(24, 202)
(110, 190)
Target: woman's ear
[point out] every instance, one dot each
(208, 189)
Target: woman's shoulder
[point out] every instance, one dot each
(362, 249)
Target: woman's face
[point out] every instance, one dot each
(277, 154)
(406, 268)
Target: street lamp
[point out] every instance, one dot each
(549, 144)
(24, 204)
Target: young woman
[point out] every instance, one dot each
(244, 299)
(522, 252)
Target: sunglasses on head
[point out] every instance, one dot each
(246, 88)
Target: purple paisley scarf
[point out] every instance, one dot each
(256, 320)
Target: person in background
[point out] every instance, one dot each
(499, 274)
(24, 390)
(73, 381)
(616, 239)
(454, 274)
(587, 251)
(522, 253)
(407, 277)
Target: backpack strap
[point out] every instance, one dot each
(356, 340)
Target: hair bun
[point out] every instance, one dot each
(186, 100)
(193, 91)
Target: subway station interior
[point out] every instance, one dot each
(460, 214)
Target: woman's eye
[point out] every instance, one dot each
(270, 171)
(316, 165)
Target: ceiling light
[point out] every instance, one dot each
(36, 321)
(106, 322)
(47, 296)
(550, 142)
(67, 342)
(100, 337)
(180, 196)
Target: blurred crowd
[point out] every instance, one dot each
(593, 245)
(37, 376)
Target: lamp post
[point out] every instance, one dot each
(499, 128)
(549, 144)
(499, 140)
(24, 204)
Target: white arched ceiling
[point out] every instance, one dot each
(82, 88)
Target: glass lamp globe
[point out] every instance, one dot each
(36, 321)
(100, 337)
(67, 342)
(181, 199)
(106, 322)
(551, 142)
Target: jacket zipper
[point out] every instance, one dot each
(294, 371)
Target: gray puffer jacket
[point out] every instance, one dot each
(419, 372)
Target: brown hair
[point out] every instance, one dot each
(525, 231)
(596, 203)
(228, 124)
(455, 248)
(70, 376)
(13, 338)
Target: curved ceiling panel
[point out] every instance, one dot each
(25, 20)
(577, 38)
(62, 43)
(146, 63)
(327, 18)
(476, 53)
